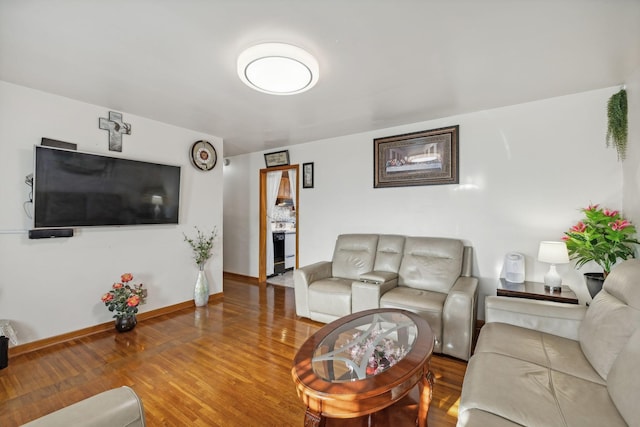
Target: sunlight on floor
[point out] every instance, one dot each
(453, 410)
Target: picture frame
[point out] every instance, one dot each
(427, 157)
(277, 158)
(307, 175)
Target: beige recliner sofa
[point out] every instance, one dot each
(118, 407)
(546, 364)
(427, 275)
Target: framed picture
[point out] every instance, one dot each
(307, 175)
(277, 158)
(428, 157)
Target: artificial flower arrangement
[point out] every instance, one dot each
(202, 245)
(603, 236)
(124, 297)
(383, 353)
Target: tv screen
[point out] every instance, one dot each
(74, 189)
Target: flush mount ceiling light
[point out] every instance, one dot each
(278, 69)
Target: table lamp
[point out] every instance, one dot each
(553, 253)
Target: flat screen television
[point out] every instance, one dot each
(76, 189)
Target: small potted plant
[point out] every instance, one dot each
(202, 245)
(604, 237)
(124, 299)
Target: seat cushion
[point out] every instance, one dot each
(533, 395)
(330, 296)
(427, 304)
(477, 418)
(551, 351)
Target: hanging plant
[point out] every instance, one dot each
(617, 123)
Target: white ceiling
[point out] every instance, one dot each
(382, 63)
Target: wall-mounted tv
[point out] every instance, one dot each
(76, 189)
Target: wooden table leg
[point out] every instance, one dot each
(426, 393)
(313, 419)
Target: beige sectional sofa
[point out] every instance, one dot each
(427, 275)
(546, 364)
(118, 407)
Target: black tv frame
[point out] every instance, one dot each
(96, 190)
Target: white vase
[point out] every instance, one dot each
(201, 290)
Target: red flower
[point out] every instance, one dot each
(579, 227)
(592, 208)
(133, 301)
(117, 285)
(126, 277)
(607, 212)
(107, 297)
(619, 224)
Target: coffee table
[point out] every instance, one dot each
(364, 362)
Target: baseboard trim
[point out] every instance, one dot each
(107, 326)
(240, 278)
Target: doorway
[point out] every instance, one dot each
(270, 180)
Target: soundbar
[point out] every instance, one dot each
(48, 142)
(46, 233)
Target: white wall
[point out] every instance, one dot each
(525, 171)
(53, 286)
(631, 165)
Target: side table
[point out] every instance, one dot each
(535, 290)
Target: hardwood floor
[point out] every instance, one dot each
(228, 364)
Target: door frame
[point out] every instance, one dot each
(262, 257)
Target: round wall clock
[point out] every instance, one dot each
(203, 155)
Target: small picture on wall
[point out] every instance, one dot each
(428, 157)
(307, 175)
(278, 158)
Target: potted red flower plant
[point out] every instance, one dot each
(604, 237)
(124, 299)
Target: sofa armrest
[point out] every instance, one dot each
(378, 277)
(119, 407)
(459, 318)
(545, 316)
(305, 276)
(366, 293)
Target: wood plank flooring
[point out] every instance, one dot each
(228, 364)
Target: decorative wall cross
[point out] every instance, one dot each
(116, 128)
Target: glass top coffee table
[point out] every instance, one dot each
(364, 362)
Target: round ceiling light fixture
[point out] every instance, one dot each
(278, 69)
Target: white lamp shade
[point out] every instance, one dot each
(553, 252)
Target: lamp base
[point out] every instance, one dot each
(552, 280)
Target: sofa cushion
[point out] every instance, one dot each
(478, 418)
(551, 351)
(389, 253)
(431, 263)
(623, 380)
(330, 296)
(533, 395)
(353, 255)
(612, 317)
(427, 304)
